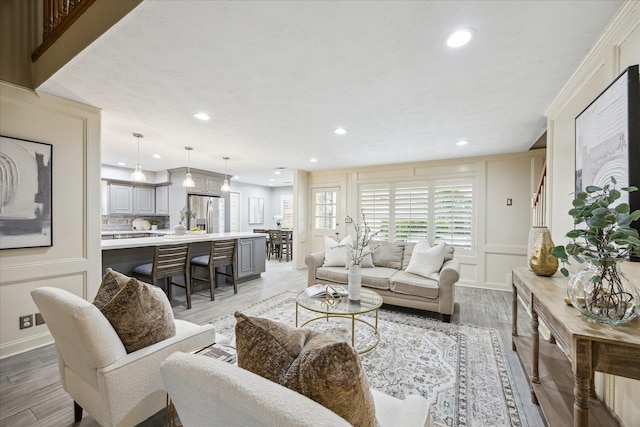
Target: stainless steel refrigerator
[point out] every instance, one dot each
(209, 212)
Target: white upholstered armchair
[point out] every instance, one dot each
(116, 388)
(205, 390)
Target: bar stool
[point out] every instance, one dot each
(168, 261)
(222, 253)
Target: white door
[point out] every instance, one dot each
(234, 207)
(324, 216)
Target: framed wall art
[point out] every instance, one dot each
(256, 210)
(608, 138)
(25, 193)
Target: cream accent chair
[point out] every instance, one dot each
(116, 388)
(205, 390)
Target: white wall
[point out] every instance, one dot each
(74, 261)
(271, 197)
(501, 231)
(618, 48)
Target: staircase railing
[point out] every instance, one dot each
(539, 200)
(58, 16)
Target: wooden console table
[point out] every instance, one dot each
(561, 370)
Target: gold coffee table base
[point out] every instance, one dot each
(370, 301)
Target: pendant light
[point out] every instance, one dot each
(188, 181)
(137, 174)
(225, 185)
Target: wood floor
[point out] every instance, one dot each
(31, 394)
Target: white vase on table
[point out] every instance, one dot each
(355, 282)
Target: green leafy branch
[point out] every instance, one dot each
(602, 234)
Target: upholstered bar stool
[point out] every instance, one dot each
(221, 254)
(168, 261)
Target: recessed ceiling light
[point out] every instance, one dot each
(122, 164)
(462, 142)
(312, 160)
(277, 172)
(235, 177)
(339, 131)
(201, 116)
(157, 156)
(272, 180)
(460, 37)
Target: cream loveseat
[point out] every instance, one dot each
(389, 278)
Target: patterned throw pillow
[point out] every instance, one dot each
(141, 315)
(111, 284)
(311, 363)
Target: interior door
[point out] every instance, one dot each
(234, 207)
(324, 215)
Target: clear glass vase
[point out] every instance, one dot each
(604, 293)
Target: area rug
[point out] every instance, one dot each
(460, 369)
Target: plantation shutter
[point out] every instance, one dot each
(374, 203)
(453, 213)
(411, 211)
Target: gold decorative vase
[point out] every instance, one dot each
(542, 262)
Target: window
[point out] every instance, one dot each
(453, 213)
(374, 203)
(286, 207)
(411, 210)
(440, 211)
(325, 210)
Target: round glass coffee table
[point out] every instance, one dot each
(342, 307)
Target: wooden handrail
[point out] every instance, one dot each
(58, 16)
(543, 176)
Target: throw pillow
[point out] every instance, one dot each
(311, 363)
(335, 256)
(111, 284)
(425, 260)
(366, 262)
(141, 315)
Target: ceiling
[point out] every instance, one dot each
(278, 77)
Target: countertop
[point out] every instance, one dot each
(115, 232)
(169, 239)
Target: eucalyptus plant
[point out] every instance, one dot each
(186, 213)
(602, 234)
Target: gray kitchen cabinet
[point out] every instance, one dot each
(162, 200)
(251, 257)
(120, 198)
(205, 184)
(144, 200)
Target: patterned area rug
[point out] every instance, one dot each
(460, 369)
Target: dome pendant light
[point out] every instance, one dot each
(188, 181)
(137, 174)
(225, 185)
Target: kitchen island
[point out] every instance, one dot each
(126, 253)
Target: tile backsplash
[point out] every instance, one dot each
(124, 222)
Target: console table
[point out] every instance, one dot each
(561, 369)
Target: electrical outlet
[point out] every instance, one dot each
(26, 321)
(39, 319)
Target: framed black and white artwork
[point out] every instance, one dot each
(25, 193)
(256, 210)
(608, 136)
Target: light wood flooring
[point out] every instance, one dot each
(31, 394)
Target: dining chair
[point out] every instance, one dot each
(276, 244)
(222, 253)
(168, 261)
